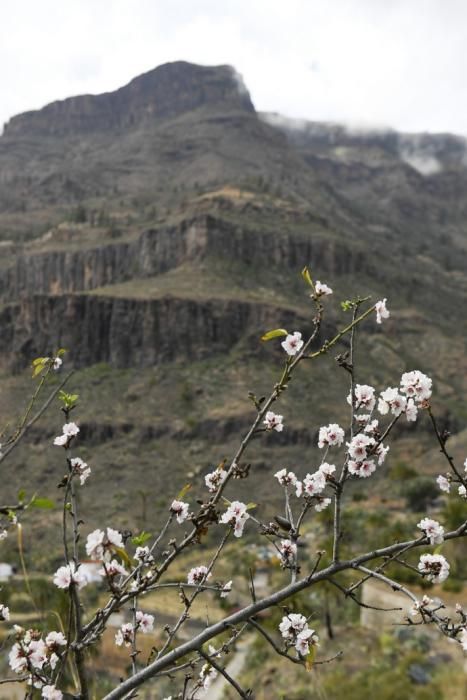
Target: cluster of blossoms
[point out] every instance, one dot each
(432, 529)
(198, 575)
(420, 606)
(181, 510)
(236, 516)
(293, 343)
(330, 435)
(38, 657)
(273, 421)
(80, 468)
(99, 544)
(68, 574)
(143, 555)
(361, 448)
(69, 431)
(364, 398)
(126, 633)
(215, 479)
(294, 629)
(313, 484)
(434, 566)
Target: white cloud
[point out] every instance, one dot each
(400, 63)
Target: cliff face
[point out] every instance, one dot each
(157, 250)
(165, 92)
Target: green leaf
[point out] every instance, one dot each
(60, 352)
(40, 361)
(250, 506)
(44, 503)
(277, 333)
(21, 495)
(38, 365)
(139, 540)
(183, 492)
(307, 277)
(310, 659)
(68, 400)
(123, 555)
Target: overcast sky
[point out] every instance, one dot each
(399, 63)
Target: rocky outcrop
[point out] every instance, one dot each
(164, 92)
(157, 250)
(130, 332)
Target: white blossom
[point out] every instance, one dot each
(432, 529)
(226, 589)
(285, 478)
(198, 575)
(364, 397)
(4, 613)
(434, 566)
(273, 421)
(359, 446)
(322, 504)
(390, 399)
(68, 574)
(305, 639)
(99, 543)
(293, 343)
(215, 479)
(80, 468)
(443, 483)
(288, 552)
(207, 675)
(180, 509)
(322, 289)
(381, 310)
(69, 431)
(3, 534)
(416, 385)
(124, 635)
(50, 692)
(57, 363)
(314, 484)
(462, 491)
(331, 435)
(113, 568)
(143, 555)
(362, 469)
(463, 638)
(236, 516)
(144, 621)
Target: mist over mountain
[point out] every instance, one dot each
(158, 230)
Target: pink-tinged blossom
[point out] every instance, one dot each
(236, 516)
(416, 385)
(362, 469)
(80, 468)
(432, 529)
(145, 622)
(273, 421)
(322, 289)
(390, 399)
(37, 653)
(100, 543)
(215, 479)
(288, 552)
(226, 589)
(69, 431)
(113, 568)
(50, 692)
(328, 470)
(314, 484)
(198, 575)
(291, 625)
(4, 613)
(55, 640)
(381, 310)
(17, 658)
(180, 509)
(322, 504)
(293, 343)
(143, 555)
(68, 574)
(411, 411)
(286, 478)
(443, 483)
(381, 453)
(434, 566)
(359, 446)
(330, 435)
(371, 427)
(364, 397)
(124, 635)
(305, 639)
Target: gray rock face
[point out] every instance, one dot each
(164, 92)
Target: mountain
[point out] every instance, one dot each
(157, 231)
